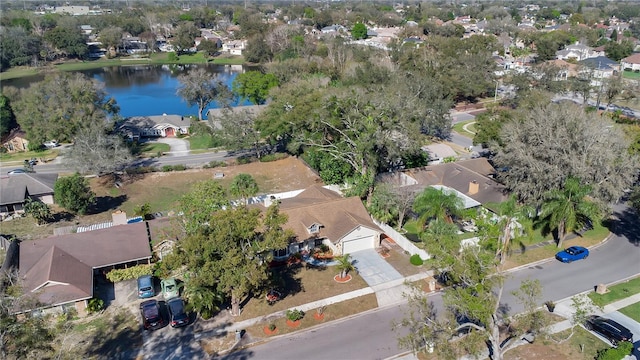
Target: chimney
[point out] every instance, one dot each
(119, 217)
(473, 187)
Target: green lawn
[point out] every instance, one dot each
(156, 58)
(200, 141)
(19, 157)
(459, 128)
(152, 149)
(632, 311)
(631, 75)
(617, 292)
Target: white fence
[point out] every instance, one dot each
(402, 241)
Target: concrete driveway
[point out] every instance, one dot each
(179, 147)
(373, 268)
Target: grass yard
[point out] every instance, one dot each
(200, 141)
(153, 149)
(332, 312)
(632, 311)
(631, 75)
(163, 189)
(19, 157)
(617, 292)
(581, 346)
(459, 128)
(294, 277)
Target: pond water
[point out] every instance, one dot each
(145, 90)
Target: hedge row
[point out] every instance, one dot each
(133, 272)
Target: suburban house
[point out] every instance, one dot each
(439, 153)
(577, 52)
(17, 188)
(631, 63)
(59, 270)
(318, 216)
(601, 67)
(234, 47)
(15, 141)
(154, 126)
(564, 69)
(472, 179)
(213, 115)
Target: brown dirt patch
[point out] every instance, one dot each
(296, 278)
(162, 190)
(332, 312)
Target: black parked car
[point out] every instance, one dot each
(151, 317)
(177, 316)
(609, 329)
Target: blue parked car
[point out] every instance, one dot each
(145, 287)
(572, 254)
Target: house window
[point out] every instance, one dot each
(281, 253)
(317, 243)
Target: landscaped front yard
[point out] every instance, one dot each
(616, 292)
(300, 285)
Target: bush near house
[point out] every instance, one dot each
(625, 348)
(133, 272)
(416, 260)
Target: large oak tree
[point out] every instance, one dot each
(60, 106)
(200, 88)
(550, 143)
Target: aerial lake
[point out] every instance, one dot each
(144, 90)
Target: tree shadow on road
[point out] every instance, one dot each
(627, 225)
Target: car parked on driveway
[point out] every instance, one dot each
(177, 315)
(608, 328)
(151, 317)
(145, 287)
(51, 144)
(169, 288)
(572, 253)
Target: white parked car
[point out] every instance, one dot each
(51, 144)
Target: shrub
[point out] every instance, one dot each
(272, 327)
(140, 170)
(133, 272)
(245, 160)
(179, 167)
(273, 157)
(95, 305)
(416, 260)
(295, 314)
(624, 348)
(215, 164)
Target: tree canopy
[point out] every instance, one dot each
(549, 143)
(231, 254)
(98, 151)
(73, 193)
(200, 88)
(359, 31)
(254, 86)
(204, 198)
(60, 106)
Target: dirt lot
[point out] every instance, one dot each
(163, 189)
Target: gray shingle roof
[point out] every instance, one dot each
(14, 188)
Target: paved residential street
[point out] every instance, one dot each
(370, 335)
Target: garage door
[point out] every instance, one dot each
(354, 245)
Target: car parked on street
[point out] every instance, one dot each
(145, 287)
(17, 171)
(51, 144)
(177, 315)
(608, 328)
(572, 253)
(169, 288)
(151, 316)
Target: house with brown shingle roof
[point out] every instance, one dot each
(472, 178)
(15, 141)
(59, 270)
(321, 216)
(631, 62)
(17, 188)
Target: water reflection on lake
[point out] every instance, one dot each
(142, 90)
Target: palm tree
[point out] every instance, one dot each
(511, 218)
(568, 209)
(435, 203)
(244, 186)
(203, 299)
(344, 265)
